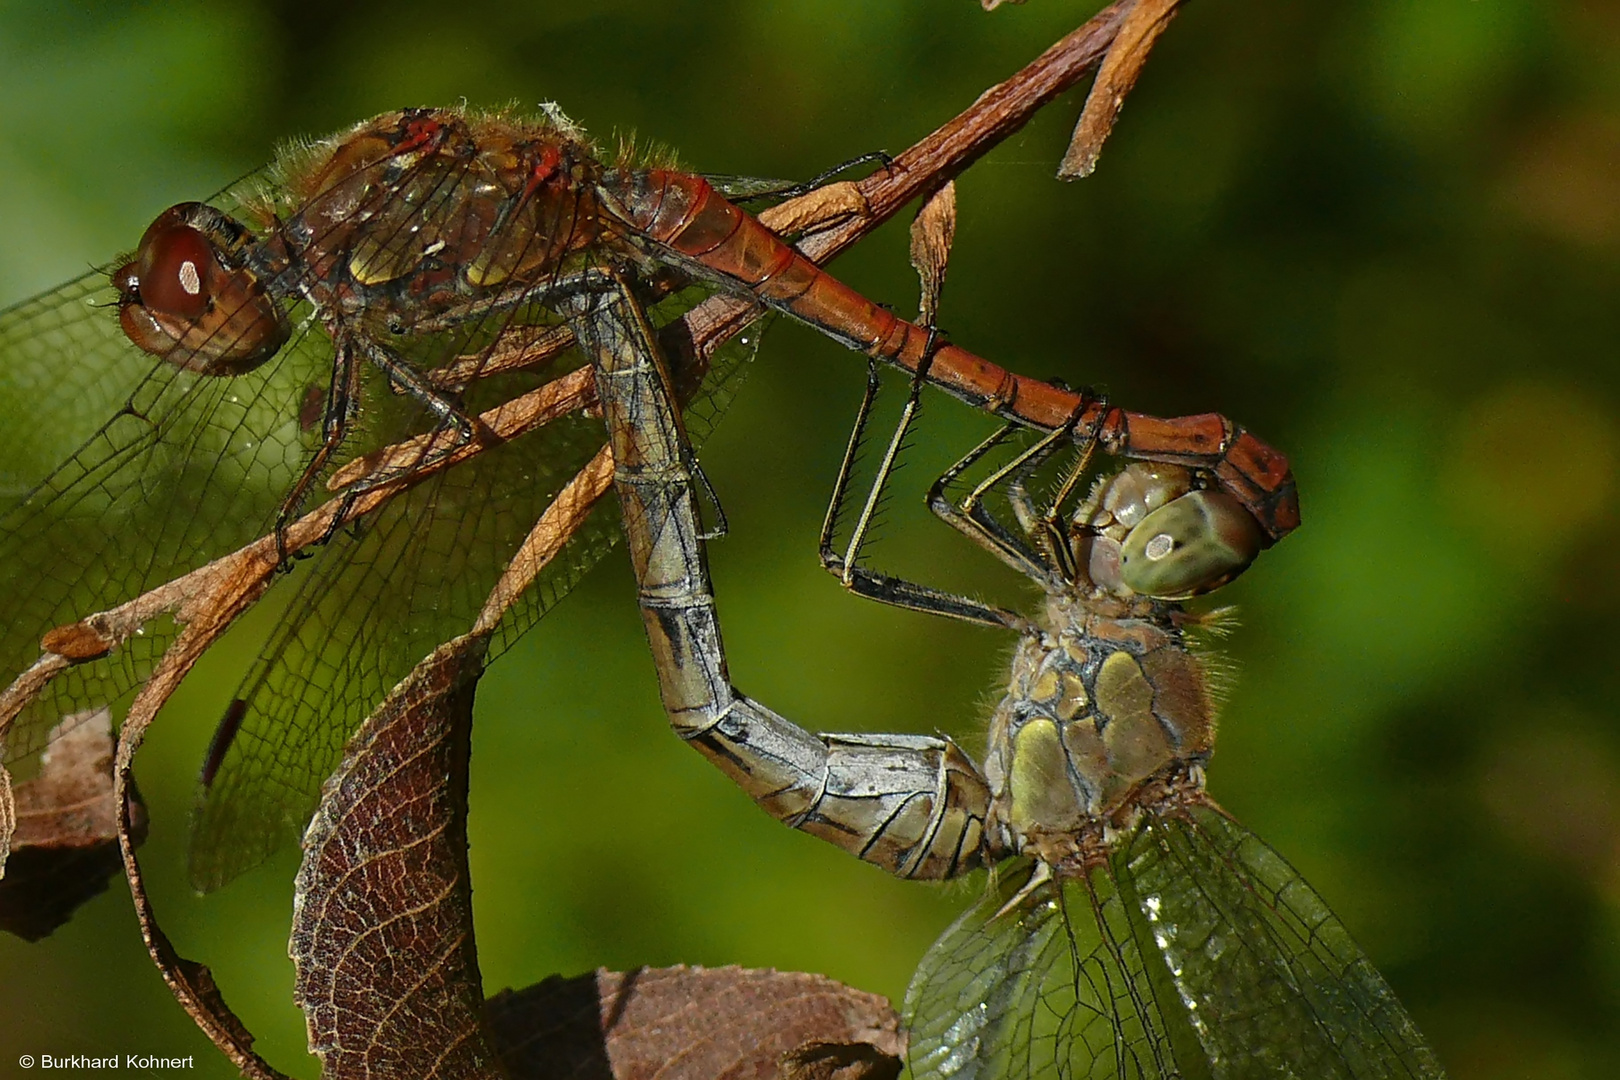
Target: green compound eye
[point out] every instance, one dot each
(1189, 546)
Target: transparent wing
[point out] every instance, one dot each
(370, 604)
(376, 600)
(191, 467)
(1200, 953)
(187, 468)
(1048, 983)
(1273, 983)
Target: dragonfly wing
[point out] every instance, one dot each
(1199, 953)
(374, 602)
(1272, 982)
(187, 468)
(377, 600)
(1048, 983)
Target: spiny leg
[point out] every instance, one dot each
(340, 402)
(444, 402)
(974, 521)
(1041, 525)
(872, 584)
(405, 378)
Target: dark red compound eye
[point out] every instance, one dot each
(181, 299)
(175, 267)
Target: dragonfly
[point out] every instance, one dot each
(352, 322)
(1131, 928)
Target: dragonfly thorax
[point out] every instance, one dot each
(427, 211)
(1096, 707)
(416, 220)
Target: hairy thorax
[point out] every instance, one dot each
(1099, 704)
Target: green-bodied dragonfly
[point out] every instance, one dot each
(1131, 928)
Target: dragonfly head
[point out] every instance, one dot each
(188, 296)
(1152, 531)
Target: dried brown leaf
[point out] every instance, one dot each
(686, 1023)
(832, 202)
(65, 845)
(1142, 26)
(932, 231)
(8, 814)
(839, 1061)
(77, 641)
(382, 940)
(191, 983)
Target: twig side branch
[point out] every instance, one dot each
(1120, 68)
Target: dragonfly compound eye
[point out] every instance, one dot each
(179, 300)
(174, 260)
(1189, 546)
(1141, 488)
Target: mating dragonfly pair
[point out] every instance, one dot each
(402, 295)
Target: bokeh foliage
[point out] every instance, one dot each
(1384, 234)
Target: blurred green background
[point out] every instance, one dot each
(1384, 234)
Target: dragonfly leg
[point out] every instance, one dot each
(408, 380)
(914, 805)
(589, 280)
(845, 565)
(340, 399)
(1044, 521)
(1039, 524)
(741, 190)
(973, 520)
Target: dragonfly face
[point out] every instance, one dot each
(189, 296)
(1147, 531)
(1104, 692)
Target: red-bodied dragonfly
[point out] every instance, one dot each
(354, 315)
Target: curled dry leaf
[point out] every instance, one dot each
(8, 816)
(191, 983)
(65, 845)
(832, 202)
(932, 231)
(1142, 26)
(77, 641)
(839, 1061)
(382, 940)
(684, 1023)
